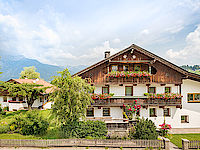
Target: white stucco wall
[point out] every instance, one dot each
(116, 113)
(138, 90)
(190, 109)
(47, 105)
(4, 104)
(17, 106)
(174, 120)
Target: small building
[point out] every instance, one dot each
(17, 103)
(145, 73)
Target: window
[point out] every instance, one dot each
(13, 98)
(193, 97)
(166, 112)
(105, 90)
(152, 90)
(137, 67)
(152, 112)
(20, 98)
(114, 68)
(106, 111)
(184, 119)
(125, 67)
(90, 112)
(128, 91)
(4, 99)
(167, 89)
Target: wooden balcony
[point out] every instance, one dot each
(131, 80)
(141, 100)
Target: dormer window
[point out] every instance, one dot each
(125, 67)
(114, 68)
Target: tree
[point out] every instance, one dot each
(30, 91)
(71, 98)
(145, 129)
(29, 73)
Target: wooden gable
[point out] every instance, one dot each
(164, 71)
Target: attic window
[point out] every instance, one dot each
(153, 70)
(114, 67)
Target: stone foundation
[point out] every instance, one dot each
(118, 134)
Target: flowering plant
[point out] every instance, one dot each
(101, 96)
(127, 74)
(165, 96)
(131, 109)
(165, 129)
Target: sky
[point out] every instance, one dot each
(78, 32)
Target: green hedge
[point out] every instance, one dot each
(85, 129)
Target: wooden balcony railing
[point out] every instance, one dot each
(141, 100)
(122, 80)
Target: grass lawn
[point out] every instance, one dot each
(176, 138)
(17, 136)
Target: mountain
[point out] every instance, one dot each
(12, 65)
(193, 69)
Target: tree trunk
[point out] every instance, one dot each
(30, 103)
(29, 107)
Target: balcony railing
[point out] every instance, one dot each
(122, 80)
(141, 100)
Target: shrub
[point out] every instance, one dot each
(4, 127)
(145, 129)
(83, 129)
(131, 132)
(29, 124)
(1, 111)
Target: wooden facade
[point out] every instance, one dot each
(162, 73)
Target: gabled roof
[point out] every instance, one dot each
(149, 54)
(34, 81)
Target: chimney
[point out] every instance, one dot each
(107, 54)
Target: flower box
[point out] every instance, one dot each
(129, 74)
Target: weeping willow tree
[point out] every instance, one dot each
(71, 98)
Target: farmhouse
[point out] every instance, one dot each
(17, 103)
(133, 73)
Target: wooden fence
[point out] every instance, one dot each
(83, 142)
(186, 144)
(194, 144)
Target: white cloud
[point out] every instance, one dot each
(55, 34)
(145, 32)
(175, 28)
(190, 54)
(116, 40)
